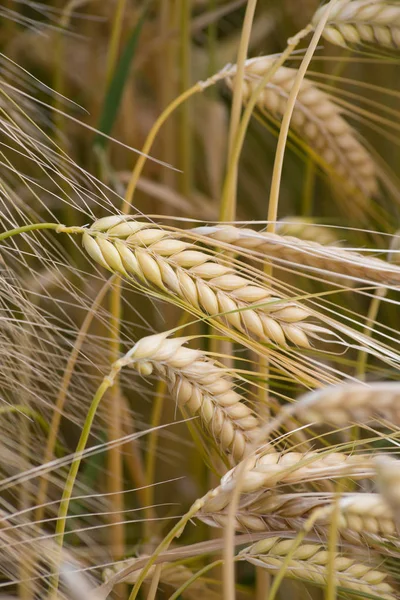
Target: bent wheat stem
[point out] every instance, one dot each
(228, 201)
(291, 102)
(62, 395)
(39, 226)
(73, 472)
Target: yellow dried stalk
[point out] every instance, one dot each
(309, 562)
(159, 258)
(318, 121)
(266, 470)
(202, 387)
(351, 402)
(173, 575)
(363, 21)
(337, 261)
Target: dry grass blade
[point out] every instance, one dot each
(318, 121)
(203, 388)
(363, 21)
(337, 261)
(266, 470)
(351, 402)
(309, 562)
(160, 258)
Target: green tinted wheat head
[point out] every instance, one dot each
(159, 258)
(351, 402)
(309, 562)
(318, 121)
(363, 21)
(202, 387)
(338, 261)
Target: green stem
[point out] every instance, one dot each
(73, 472)
(37, 226)
(194, 577)
(175, 532)
(137, 171)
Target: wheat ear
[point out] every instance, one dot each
(308, 230)
(339, 261)
(351, 402)
(202, 387)
(265, 470)
(364, 514)
(267, 512)
(358, 21)
(388, 476)
(159, 258)
(318, 121)
(310, 561)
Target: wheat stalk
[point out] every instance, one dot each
(309, 562)
(318, 121)
(266, 470)
(351, 402)
(159, 258)
(202, 387)
(337, 261)
(357, 21)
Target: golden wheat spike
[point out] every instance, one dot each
(202, 387)
(363, 21)
(309, 562)
(318, 121)
(161, 259)
(351, 403)
(332, 260)
(265, 470)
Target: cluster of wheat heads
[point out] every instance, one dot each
(290, 392)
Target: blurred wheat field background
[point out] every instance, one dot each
(199, 295)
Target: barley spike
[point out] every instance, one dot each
(317, 120)
(338, 261)
(309, 563)
(351, 402)
(202, 387)
(159, 258)
(363, 21)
